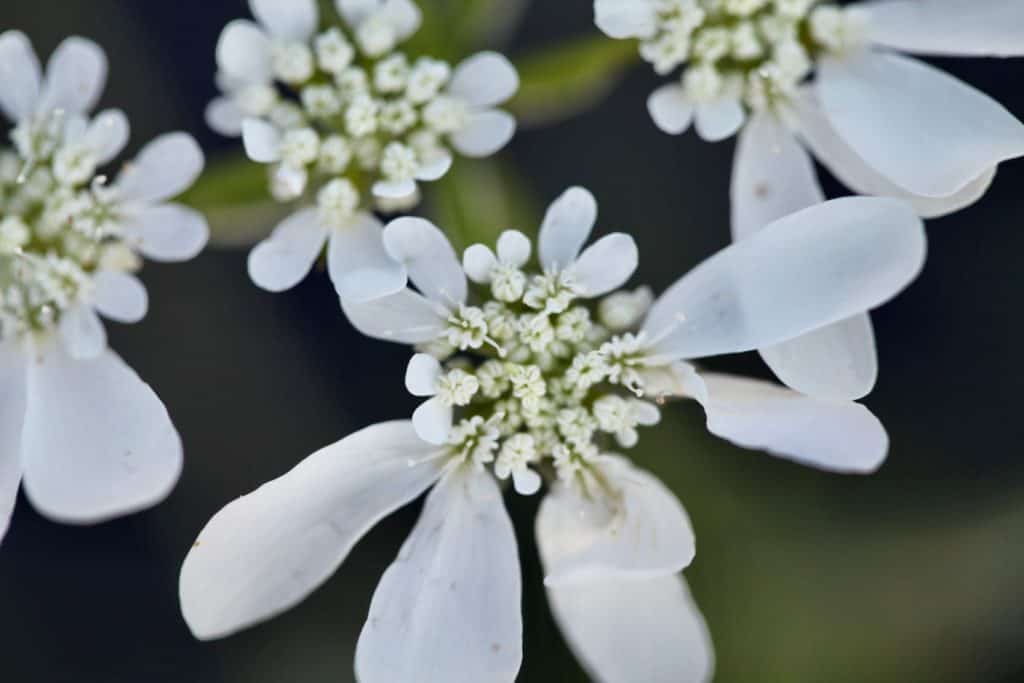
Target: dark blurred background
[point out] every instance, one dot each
(914, 574)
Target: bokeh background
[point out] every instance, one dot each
(914, 574)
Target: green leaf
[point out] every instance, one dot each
(564, 80)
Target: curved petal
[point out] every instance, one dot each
(479, 262)
(75, 77)
(283, 260)
(82, 332)
(394, 189)
(164, 168)
(434, 169)
(20, 76)
(487, 132)
(404, 318)
(838, 436)
(433, 421)
(514, 248)
(429, 258)
(450, 603)
(566, 228)
(107, 135)
(243, 53)
(116, 451)
(720, 119)
(830, 149)
(671, 110)
(804, 272)
(265, 552)
(224, 117)
(13, 380)
(623, 631)
(626, 18)
(262, 141)
(643, 534)
(168, 233)
(120, 296)
(924, 130)
(291, 20)
(970, 28)
(358, 263)
(606, 265)
(404, 15)
(422, 375)
(484, 80)
(772, 176)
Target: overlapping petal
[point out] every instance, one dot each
(975, 28)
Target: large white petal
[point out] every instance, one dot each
(107, 134)
(830, 149)
(606, 265)
(243, 53)
(224, 116)
(291, 20)
(75, 77)
(626, 18)
(82, 332)
(120, 296)
(262, 141)
(811, 269)
(625, 631)
(164, 168)
(358, 263)
(115, 451)
(405, 318)
(448, 610)
(20, 76)
(566, 227)
(643, 534)
(976, 28)
(168, 233)
(671, 110)
(13, 379)
(428, 256)
(266, 551)
(486, 132)
(839, 436)
(484, 80)
(283, 260)
(924, 130)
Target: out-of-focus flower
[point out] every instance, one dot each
(526, 382)
(85, 435)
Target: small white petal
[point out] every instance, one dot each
(394, 189)
(434, 169)
(120, 296)
(838, 436)
(626, 18)
(433, 421)
(13, 379)
(262, 141)
(526, 481)
(450, 603)
(265, 552)
(720, 119)
(164, 168)
(624, 631)
(643, 534)
(478, 261)
(403, 318)
(484, 80)
(566, 227)
(107, 135)
(404, 15)
(514, 248)
(243, 53)
(671, 110)
(20, 76)
(224, 117)
(924, 130)
(358, 263)
(486, 132)
(606, 265)
(292, 20)
(970, 28)
(82, 332)
(285, 258)
(116, 451)
(429, 257)
(75, 77)
(169, 233)
(422, 375)
(811, 269)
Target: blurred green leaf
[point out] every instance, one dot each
(232, 193)
(568, 78)
(453, 28)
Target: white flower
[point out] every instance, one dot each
(69, 245)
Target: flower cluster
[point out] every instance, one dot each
(345, 118)
(70, 243)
